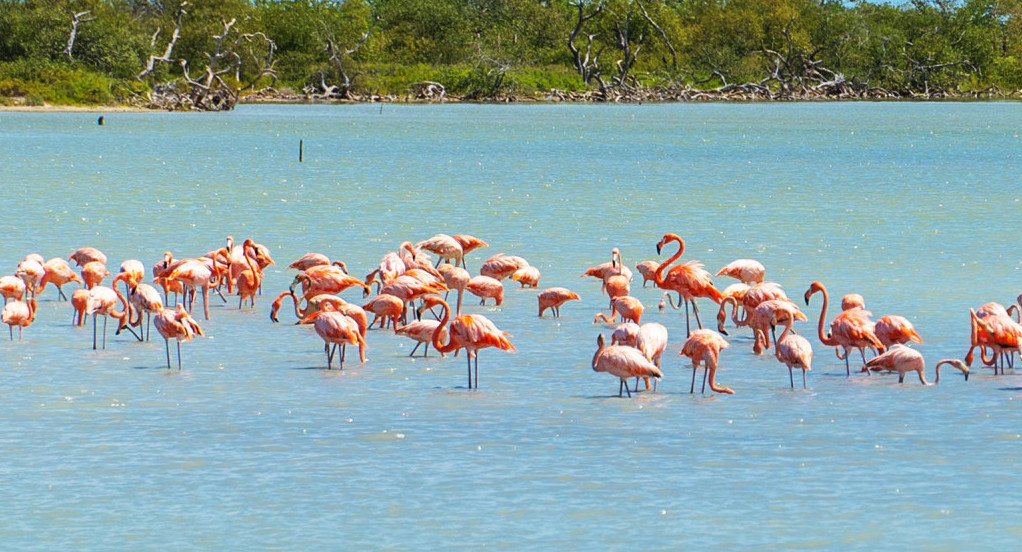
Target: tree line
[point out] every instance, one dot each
(205, 54)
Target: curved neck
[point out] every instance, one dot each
(440, 347)
(825, 339)
(658, 275)
(784, 334)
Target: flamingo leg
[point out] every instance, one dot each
(468, 357)
(93, 331)
(477, 369)
(693, 389)
(205, 301)
(178, 355)
(791, 378)
(688, 329)
(425, 350)
(863, 353)
(104, 331)
(695, 310)
(848, 370)
(705, 370)
(167, 342)
(626, 389)
(11, 328)
(414, 349)
(329, 356)
(60, 294)
(804, 379)
(344, 351)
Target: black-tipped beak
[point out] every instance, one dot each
(658, 249)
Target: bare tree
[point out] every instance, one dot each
(166, 57)
(586, 64)
(77, 19)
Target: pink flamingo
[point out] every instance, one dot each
(469, 332)
(647, 269)
(527, 276)
(852, 329)
(623, 362)
(12, 287)
(501, 266)
(485, 288)
(629, 307)
(86, 255)
(93, 274)
(18, 313)
(103, 300)
(651, 341)
(177, 325)
(336, 330)
(793, 350)
(455, 278)
(895, 330)
(704, 347)
(446, 248)
(421, 331)
(688, 279)
(747, 271)
(902, 359)
(58, 273)
(553, 298)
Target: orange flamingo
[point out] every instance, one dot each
(336, 330)
(86, 255)
(629, 307)
(623, 362)
(625, 334)
(31, 271)
(468, 244)
(851, 301)
(103, 301)
(18, 313)
(469, 332)
(79, 302)
(501, 266)
(310, 260)
(902, 359)
(132, 272)
(93, 274)
(992, 327)
(704, 347)
(12, 287)
(793, 350)
(248, 279)
(455, 278)
(446, 248)
(610, 268)
(316, 303)
(177, 325)
(58, 273)
(326, 279)
(895, 330)
(768, 314)
(196, 274)
(485, 288)
(387, 308)
(747, 271)
(143, 298)
(616, 285)
(161, 269)
(852, 329)
(553, 298)
(688, 279)
(527, 276)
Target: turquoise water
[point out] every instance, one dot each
(255, 445)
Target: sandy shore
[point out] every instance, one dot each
(72, 109)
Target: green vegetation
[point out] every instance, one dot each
(96, 52)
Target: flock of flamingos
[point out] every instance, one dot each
(408, 288)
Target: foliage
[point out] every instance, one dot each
(482, 49)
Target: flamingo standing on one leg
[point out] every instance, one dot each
(553, 298)
(689, 279)
(623, 362)
(852, 329)
(176, 324)
(471, 332)
(704, 346)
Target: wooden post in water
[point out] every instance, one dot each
(100, 121)
(301, 150)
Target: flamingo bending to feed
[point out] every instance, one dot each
(387, 308)
(194, 274)
(553, 298)
(747, 271)
(12, 287)
(852, 329)
(103, 300)
(704, 347)
(468, 244)
(310, 260)
(471, 332)
(647, 269)
(421, 331)
(793, 350)
(485, 288)
(895, 330)
(446, 248)
(58, 273)
(18, 313)
(502, 266)
(689, 279)
(623, 362)
(902, 359)
(31, 271)
(336, 330)
(527, 276)
(625, 334)
(87, 255)
(93, 274)
(629, 307)
(651, 341)
(176, 324)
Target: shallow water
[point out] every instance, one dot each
(255, 445)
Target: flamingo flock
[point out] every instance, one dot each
(410, 289)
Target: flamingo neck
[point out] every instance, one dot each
(658, 275)
(435, 338)
(825, 339)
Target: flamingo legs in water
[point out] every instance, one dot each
(167, 343)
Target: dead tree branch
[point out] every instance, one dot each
(586, 64)
(78, 19)
(166, 57)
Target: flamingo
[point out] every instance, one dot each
(553, 298)
(852, 329)
(93, 274)
(609, 268)
(178, 325)
(501, 266)
(12, 287)
(647, 269)
(895, 330)
(993, 327)
(762, 316)
(104, 300)
(161, 269)
(310, 260)
(651, 341)
(455, 278)
(793, 350)
(616, 285)
(31, 271)
(527, 276)
(733, 295)
(326, 279)
(902, 359)
(86, 255)
(689, 279)
(747, 271)
(851, 301)
(485, 288)
(704, 346)
(336, 330)
(385, 306)
(469, 332)
(316, 303)
(194, 274)
(18, 313)
(58, 273)
(446, 248)
(629, 307)
(143, 298)
(132, 272)
(79, 302)
(248, 279)
(421, 331)
(623, 362)
(468, 244)
(625, 334)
